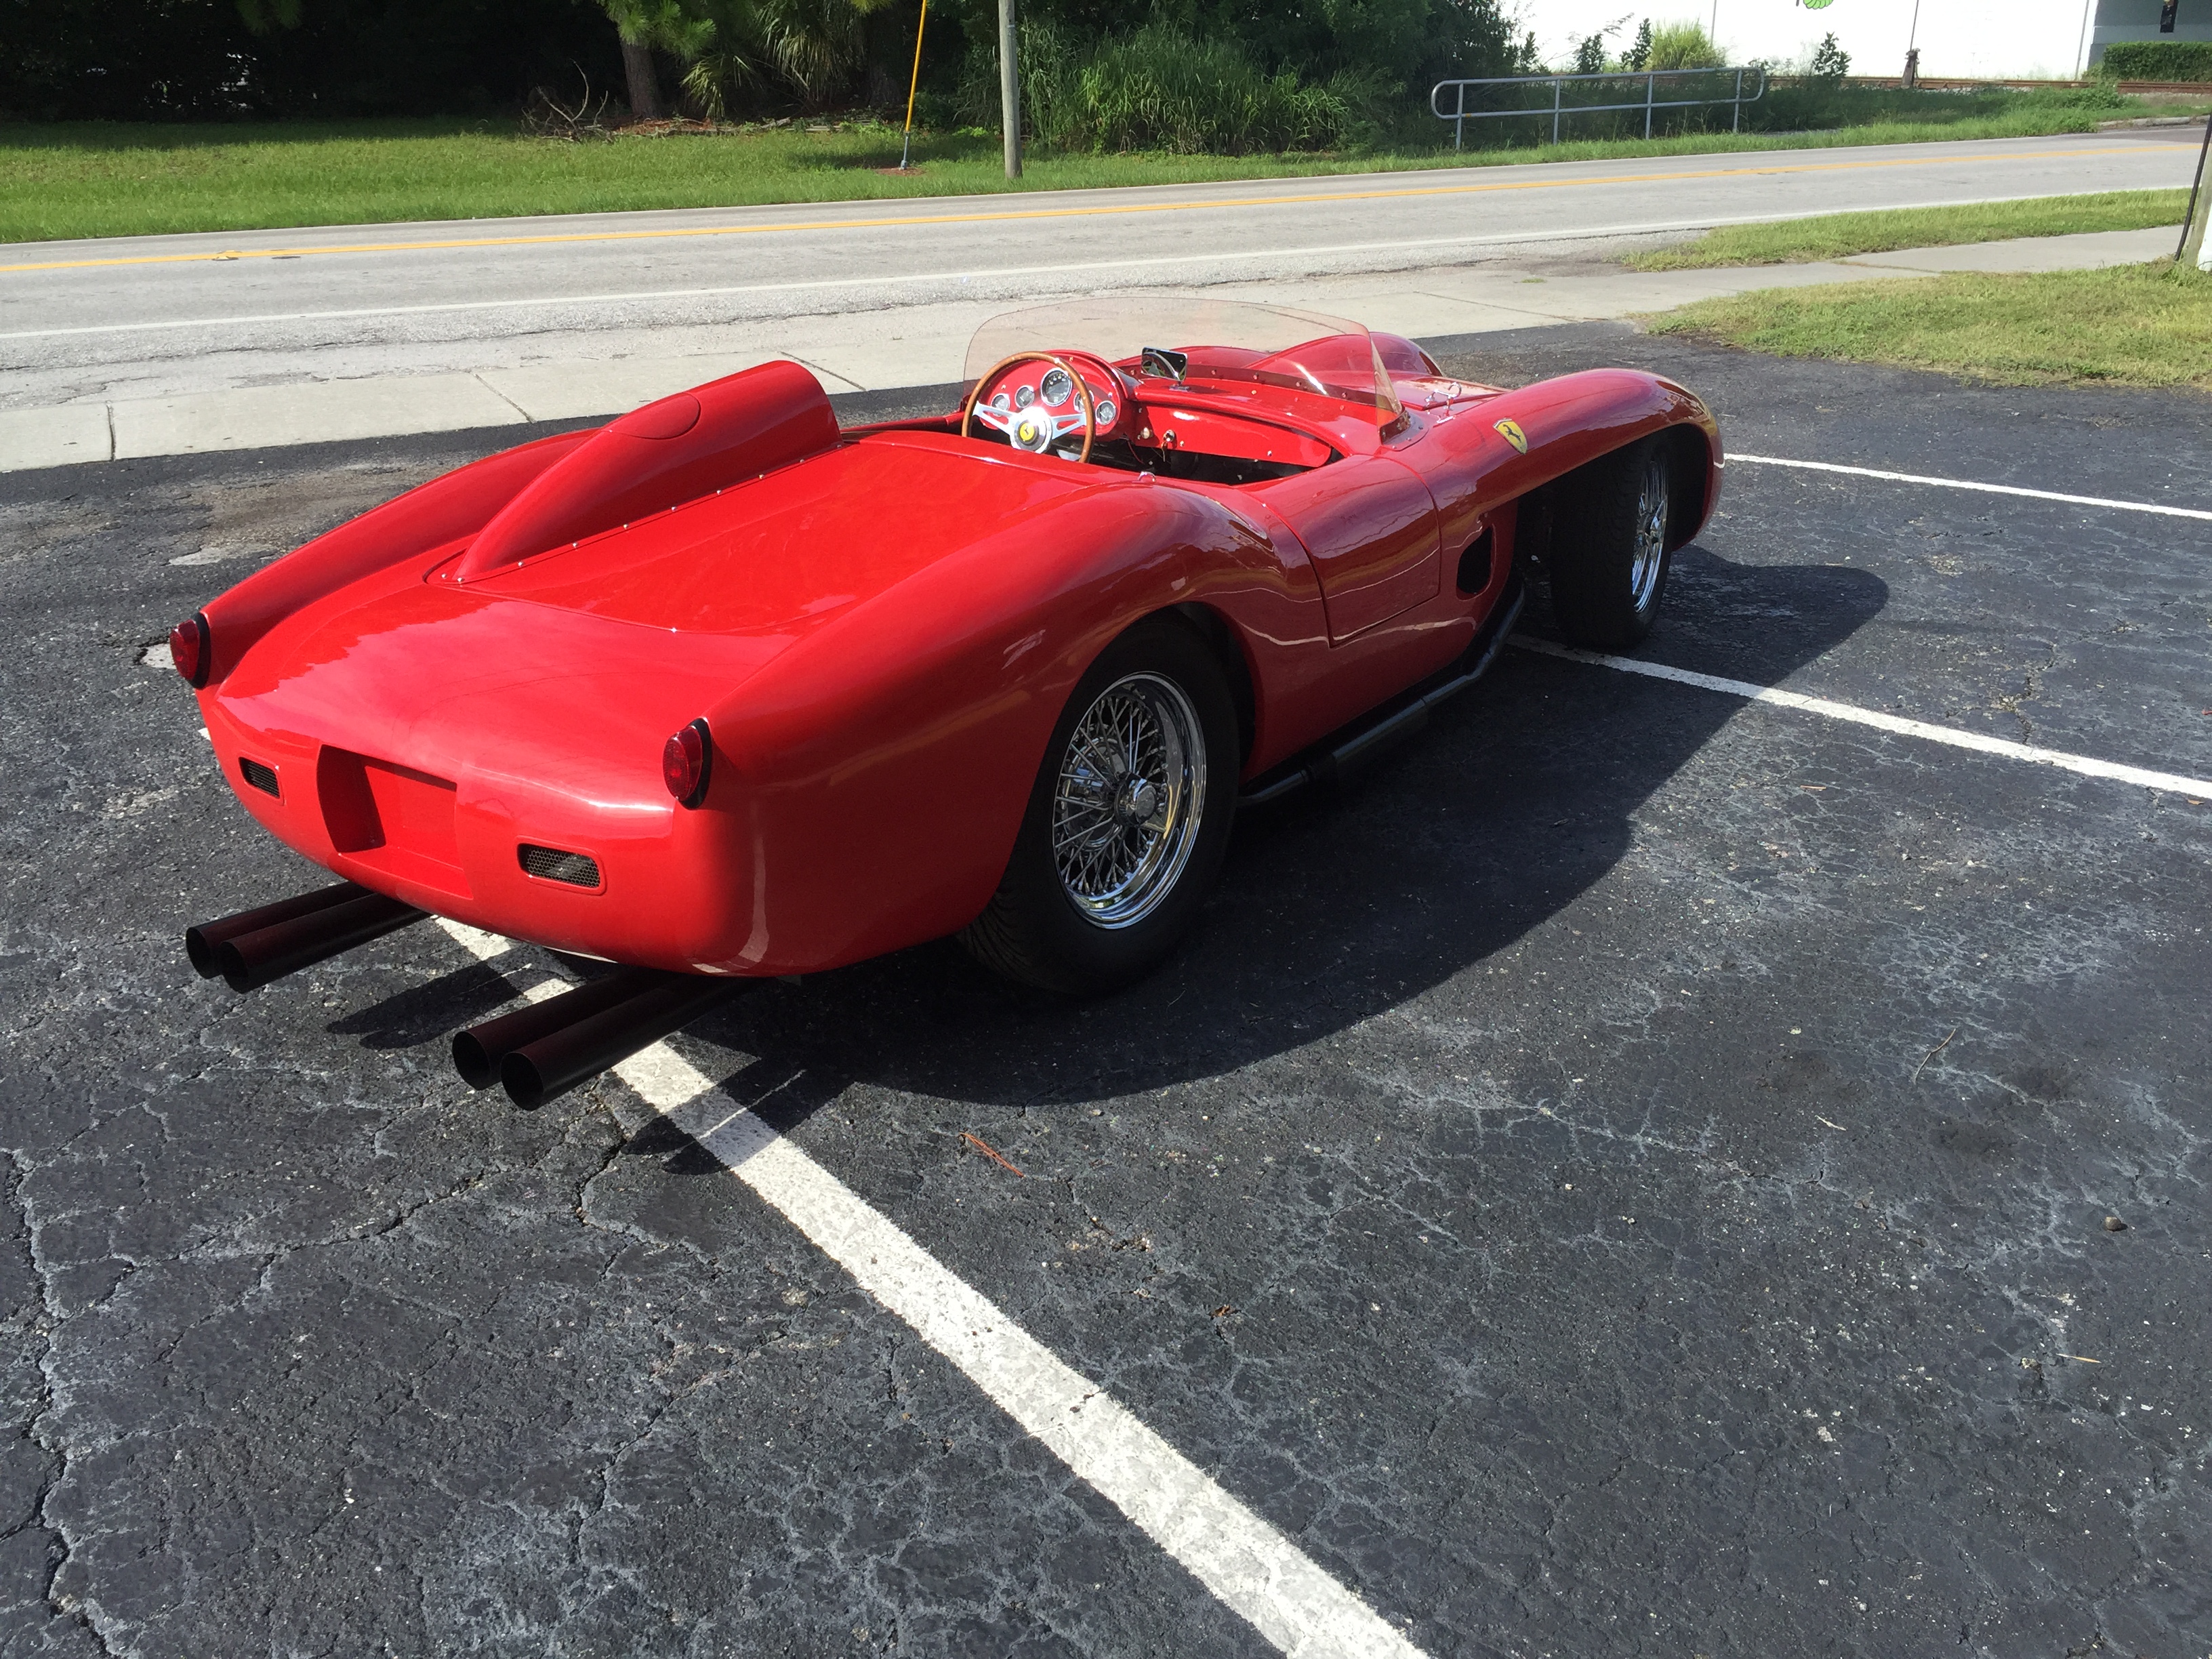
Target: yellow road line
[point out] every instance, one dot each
(1056, 213)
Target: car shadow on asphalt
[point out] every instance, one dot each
(1337, 907)
(1333, 908)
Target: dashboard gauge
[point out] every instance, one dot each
(1001, 402)
(1056, 388)
(1104, 412)
(1025, 396)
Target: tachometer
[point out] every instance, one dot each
(1056, 388)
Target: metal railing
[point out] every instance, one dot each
(1459, 115)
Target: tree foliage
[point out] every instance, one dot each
(153, 60)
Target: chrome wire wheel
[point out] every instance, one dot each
(1126, 803)
(1649, 557)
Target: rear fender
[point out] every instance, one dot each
(880, 769)
(429, 516)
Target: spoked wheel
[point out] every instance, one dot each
(1609, 557)
(1127, 824)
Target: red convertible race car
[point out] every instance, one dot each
(721, 690)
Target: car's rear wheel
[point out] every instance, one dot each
(1127, 824)
(1609, 558)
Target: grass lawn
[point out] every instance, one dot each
(1836, 235)
(2146, 325)
(76, 179)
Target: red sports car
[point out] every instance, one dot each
(720, 689)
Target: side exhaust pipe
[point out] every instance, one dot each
(250, 950)
(479, 1051)
(556, 1062)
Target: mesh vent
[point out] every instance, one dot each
(551, 864)
(263, 778)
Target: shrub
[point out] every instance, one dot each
(1159, 88)
(2157, 60)
(1680, 46)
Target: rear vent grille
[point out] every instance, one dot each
(551, 864)
(263, 778)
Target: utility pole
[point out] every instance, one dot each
(1009, 88)
(2192, 250)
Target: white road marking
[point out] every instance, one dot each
(2088, 767)
(1984, 488)
(1257, 1572)
(993, 274)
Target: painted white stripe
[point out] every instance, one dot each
(1584, 232)
(1251, 1567)
(1984, 488)
(2085, 765)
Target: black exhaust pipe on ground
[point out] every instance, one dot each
(556, 1062)
(251, 949)
(479, 1051)
(201, 942)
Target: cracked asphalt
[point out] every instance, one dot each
(1626, 1175)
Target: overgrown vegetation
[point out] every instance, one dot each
(1161, 89)
(1839, 235)
(2157, 60)
(2143, 326)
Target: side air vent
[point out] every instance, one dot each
(551, 864)
(263, 778)
(1474, 564)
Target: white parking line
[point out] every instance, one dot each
(2195, 788)
(1983, 489)
(1251, 1567)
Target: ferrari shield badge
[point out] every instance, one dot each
(1511, 432)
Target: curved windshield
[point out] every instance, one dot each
(1222, 340)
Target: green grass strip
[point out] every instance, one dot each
(2135, 325)
(67, 181)
(1838, 235)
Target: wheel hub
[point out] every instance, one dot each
(1131, 790)
(1140, 799)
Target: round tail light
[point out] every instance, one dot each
(191, 650)
(685, 760)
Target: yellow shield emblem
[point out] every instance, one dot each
(1511, 432)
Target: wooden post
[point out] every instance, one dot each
(1009, 88)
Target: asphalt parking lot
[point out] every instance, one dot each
(1628, 1175)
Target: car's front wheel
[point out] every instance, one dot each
(1127, 824)
(1609, 557)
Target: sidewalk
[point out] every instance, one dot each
(923, 345)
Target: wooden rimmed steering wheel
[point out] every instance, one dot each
(1037, 429)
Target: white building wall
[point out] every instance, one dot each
(1996, 39)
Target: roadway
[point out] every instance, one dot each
(596, 313)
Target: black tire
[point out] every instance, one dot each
(1037, 929)
(1609, 557)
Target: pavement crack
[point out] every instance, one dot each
(40, 1429)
